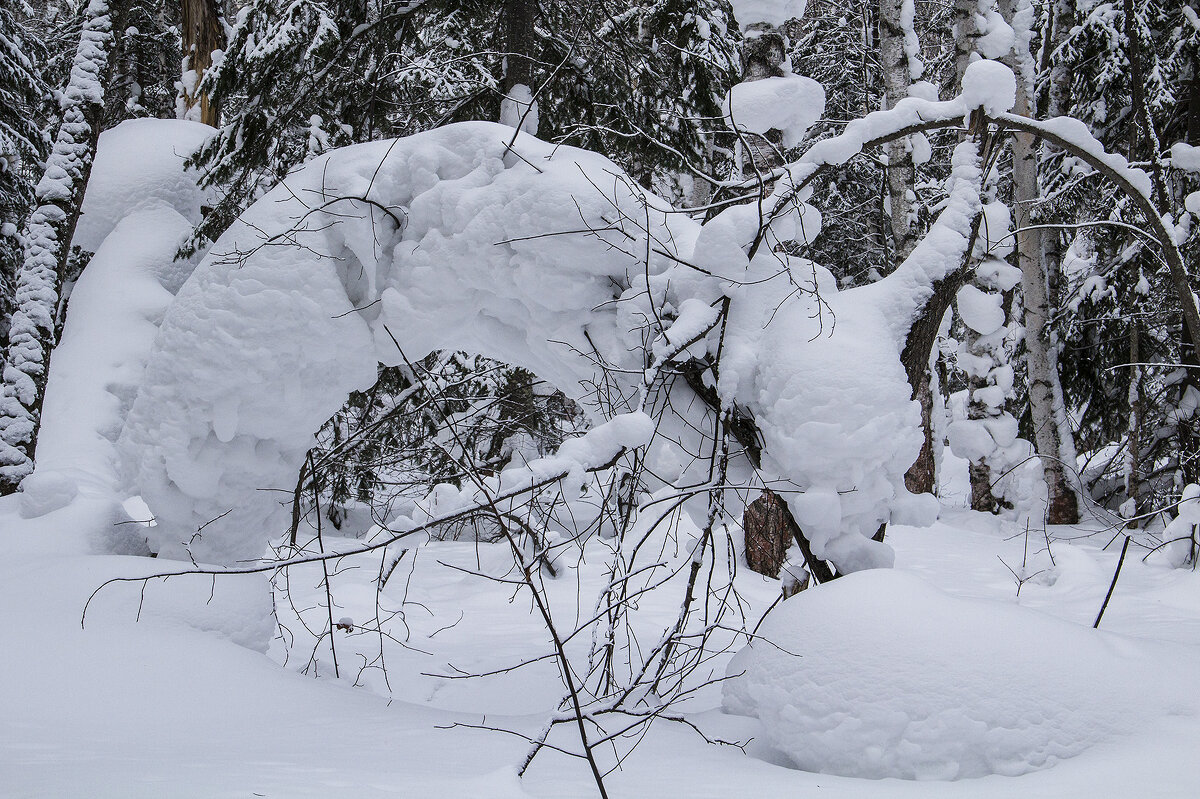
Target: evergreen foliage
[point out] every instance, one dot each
(21, 144)
(639, 83)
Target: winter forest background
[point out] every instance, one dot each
(530, 398)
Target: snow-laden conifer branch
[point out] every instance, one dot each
(47, 241)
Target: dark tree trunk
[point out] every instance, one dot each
(202, 34)
(921, 477)
(768, 534)
(918, 349)
(1185, 429)
(520, 43)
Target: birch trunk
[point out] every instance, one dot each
(1062, 503)
(1134, 485)
(901, 177)
(900, 170)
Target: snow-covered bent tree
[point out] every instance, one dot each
(547, 258)
(711, 363)
(471, 237)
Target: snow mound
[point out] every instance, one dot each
(536, 256)
(980, 310)
(1186, 157)
(141, 205)
(138, 165)
(881, 675)
(1179, 537)
(773, 12)
(989, 85)
(450, 239)
(96, 370)
(832, 402)
(789, 103)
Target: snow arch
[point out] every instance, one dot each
(445, 240)
(544, 257)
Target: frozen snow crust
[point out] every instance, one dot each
(879, 674)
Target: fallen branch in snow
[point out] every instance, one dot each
(1113, 584)
(271, 566)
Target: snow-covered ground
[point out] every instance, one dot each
(170, 705)
(971, 669)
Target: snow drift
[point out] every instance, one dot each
(882, 675)
(140, 206)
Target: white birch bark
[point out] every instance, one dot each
(1062, 503)
(897, 48)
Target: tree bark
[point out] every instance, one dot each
(921, 477)
(520, 42)
(965, 34)
(1193, 112)
(1133, 472)
(1185, 428)
(202, 34)
(900, 170)
(901, 178)
(767, 534)
(1189, 441)
(1062, 504)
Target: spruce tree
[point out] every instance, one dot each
(21, 91)
(639, 83)
(47, 237)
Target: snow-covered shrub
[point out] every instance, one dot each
(1181, 541)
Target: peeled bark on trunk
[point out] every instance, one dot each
(48, 234)
(202, 35)
(768, 535)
